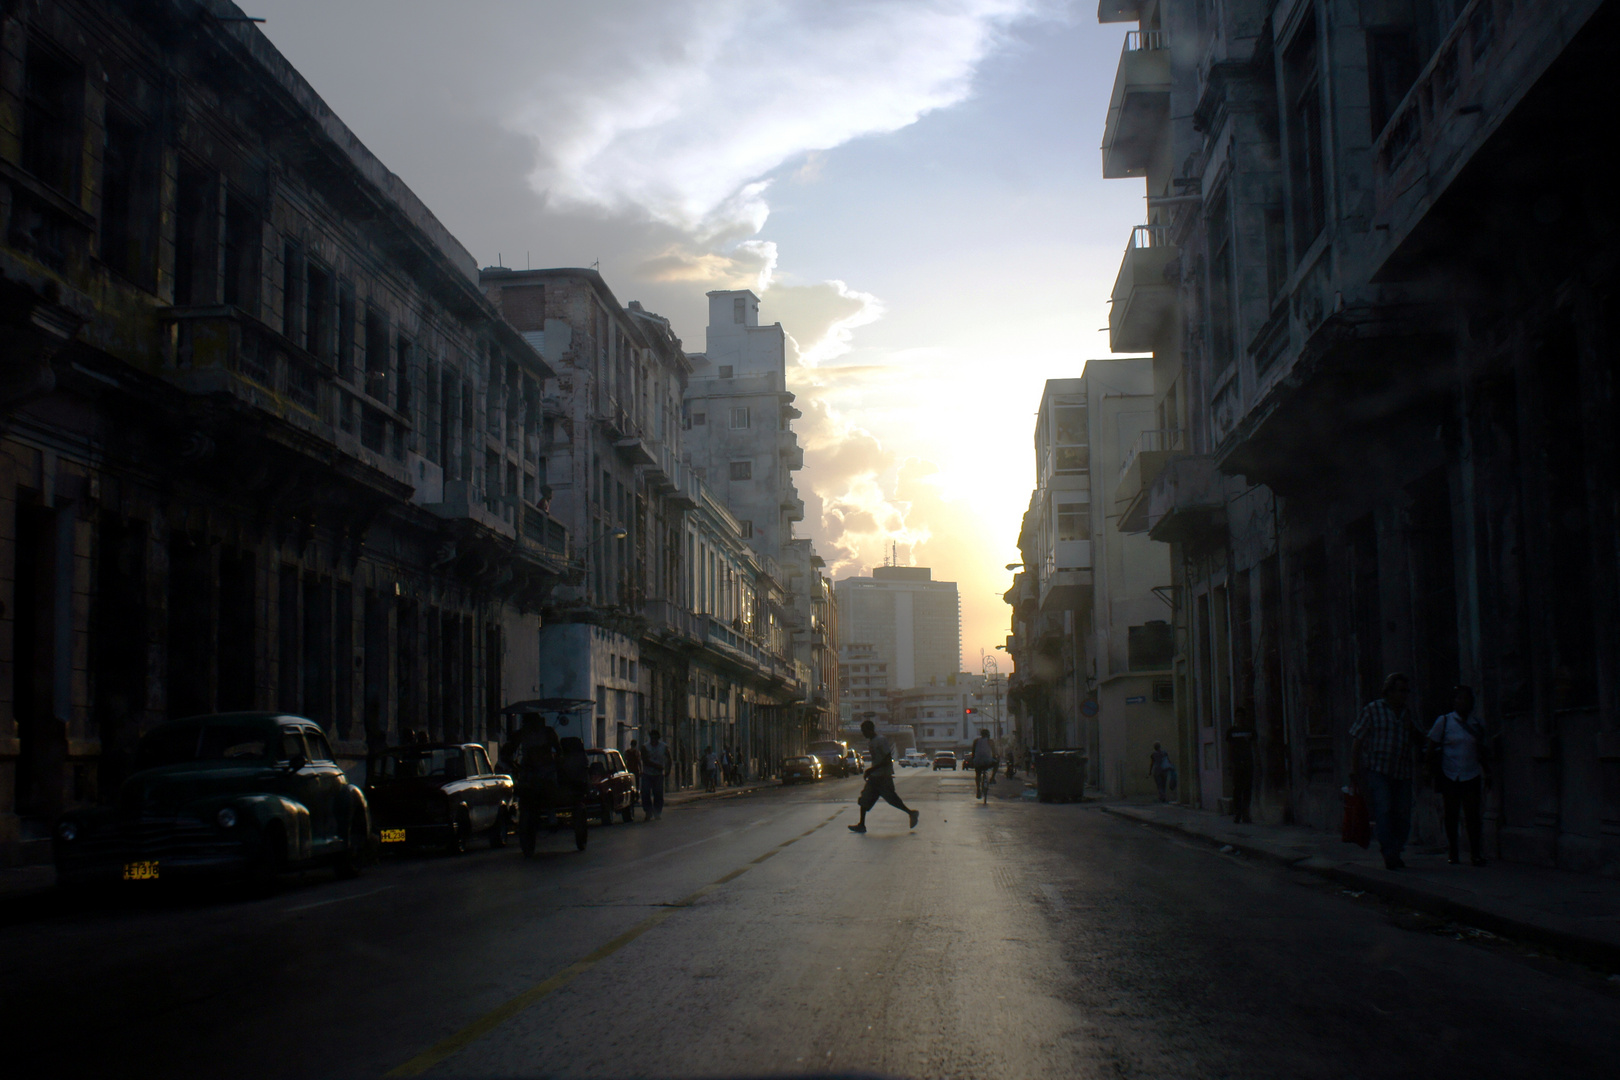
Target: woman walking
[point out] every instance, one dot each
(1457, 737)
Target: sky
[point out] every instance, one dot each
(913, 187)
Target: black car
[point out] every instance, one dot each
(440, 793)
(245, 794)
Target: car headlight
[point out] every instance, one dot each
(226, 818)
(67, 832)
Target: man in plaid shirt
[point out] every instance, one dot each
(1381, 742)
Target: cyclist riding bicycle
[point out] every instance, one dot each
(984, 760)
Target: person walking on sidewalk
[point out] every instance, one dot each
(879, 779)
(1240, 752)
(1458, 735)
(711, 768)
(654, 768)
(1159, 768)
(1381, 742)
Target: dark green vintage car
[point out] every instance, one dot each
(243, 794)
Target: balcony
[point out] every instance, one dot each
(1187, 500)
(792, 453)
(543, 534)
(671, 621)
(1482, 71)
(1138, 124)
(1144, 297)
(1137, 472)
(793, 506)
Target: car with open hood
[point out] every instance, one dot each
(242, 794)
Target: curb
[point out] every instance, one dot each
(1573, 945)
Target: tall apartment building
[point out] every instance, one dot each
(1386, 394)
(674, 621)
(863, 683)
(914, 621)
(1093, 654)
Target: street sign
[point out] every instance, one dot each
(1137, 700)
(1088, 708)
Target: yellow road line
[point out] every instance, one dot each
(497, 1016)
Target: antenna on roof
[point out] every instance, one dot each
(498, 259)
(526, 265)
(597, 266)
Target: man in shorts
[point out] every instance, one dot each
(879, 779)
(984, 760)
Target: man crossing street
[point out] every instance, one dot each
(879, 779)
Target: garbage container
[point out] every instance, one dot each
(1060, 775)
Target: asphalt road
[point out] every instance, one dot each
(755, 935)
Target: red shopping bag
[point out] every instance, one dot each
(1357, 828)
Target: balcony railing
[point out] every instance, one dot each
(1159, 440)
(545, 532)
(1144, 297)
(1139, 110)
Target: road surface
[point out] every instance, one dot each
(755, 935)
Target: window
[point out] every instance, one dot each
(1307, 165)
(700, 419)
(194, 250)
(376, 354)
(1071, 521)
(747, 529)
(402, 376)
(53, 108)
(345, 330)
(739, 311)
(1221, 293)
(742, 470)
(319, 749)
(725, 371)
(129, 179)
(244, 237)
(1392, 68)
(292, 745)
(480, 762)
(317, 310)
(739, 417)
(292, 289)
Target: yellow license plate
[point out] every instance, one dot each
(141, 871)
(393, 836)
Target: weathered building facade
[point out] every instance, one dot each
(1395, 385)
(255, 406)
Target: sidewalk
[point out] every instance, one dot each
(1578, 914)
(694, 794)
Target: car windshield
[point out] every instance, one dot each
(426, 763)
(211, 740)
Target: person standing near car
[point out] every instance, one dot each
(879, 779)
(1458, 736)
(632, 762)
(654, 768)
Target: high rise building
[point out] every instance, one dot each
(914, 621)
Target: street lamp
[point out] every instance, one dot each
(1015, 566)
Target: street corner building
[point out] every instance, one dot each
(1381, 399)
(258, 418)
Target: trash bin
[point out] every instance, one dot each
(1060, 775)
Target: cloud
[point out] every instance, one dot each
(689, 106)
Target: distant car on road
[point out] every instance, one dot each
(613, 789)
(440, 793)
(914, 759)
(944, 760)
(244, 794)
(802, 770)
(834, 757)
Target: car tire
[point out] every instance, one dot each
(353, 858)
(460, 832)
(503, 825)
(630, 814)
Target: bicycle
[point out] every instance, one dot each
(984, 780)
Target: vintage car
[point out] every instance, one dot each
(244, 794)
(613, 787)
(944, 760)
(802, 770)
(440, 793)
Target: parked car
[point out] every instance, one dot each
(613, 788)
(243, 794)
(834, 757)
(855, 764)
(440, 793)
(802, 770)
(944, 760)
